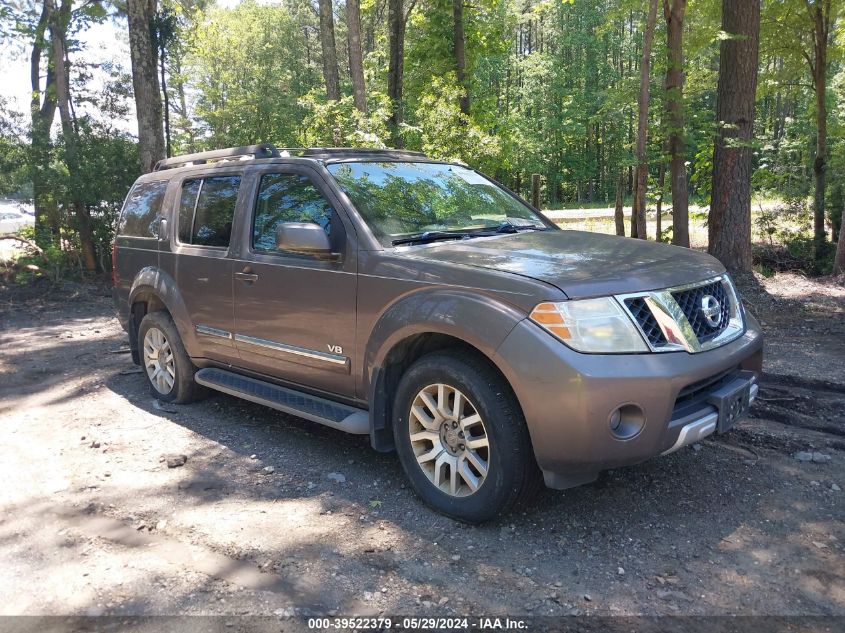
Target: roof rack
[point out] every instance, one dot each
(268, 150)
(357, 151)
(262, 150)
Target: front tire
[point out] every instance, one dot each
(167, 366)
(462, 439)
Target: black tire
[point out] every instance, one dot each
(512, 476)
(183, 389)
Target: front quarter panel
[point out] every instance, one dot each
(477, 320)
(398, 299)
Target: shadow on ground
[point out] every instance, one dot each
(735, 527)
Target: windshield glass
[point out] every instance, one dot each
(403, 199)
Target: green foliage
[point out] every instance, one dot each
(552, 89)
(785, 221)
(788, 235)
(107, 168)
(52, 262)
(442, 131)
(835, 205)
(13, 152)
(340, 124)
(245, 68)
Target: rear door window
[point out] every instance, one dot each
(141, 213)
(206, 210)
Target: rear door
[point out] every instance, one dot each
(295, 314)
(201, 257)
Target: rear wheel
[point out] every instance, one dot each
(462, 439)
(166, 364)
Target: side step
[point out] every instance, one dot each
(333, 414)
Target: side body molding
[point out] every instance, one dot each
(482, 321)
(154, 282)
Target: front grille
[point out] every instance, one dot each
(690, 302)
(645, 319)
(674, 319)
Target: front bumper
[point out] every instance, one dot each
(568, 398)
(701, 417)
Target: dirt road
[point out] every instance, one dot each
(272, 515)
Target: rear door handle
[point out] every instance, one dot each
(246, 277)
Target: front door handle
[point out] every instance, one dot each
(247, 276)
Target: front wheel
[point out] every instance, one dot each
(462, 439)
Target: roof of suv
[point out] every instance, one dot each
(270, 151)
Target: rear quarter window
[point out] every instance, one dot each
(142, 209)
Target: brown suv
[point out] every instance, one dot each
(384, 293)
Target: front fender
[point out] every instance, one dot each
(154, 282)
(479, 320)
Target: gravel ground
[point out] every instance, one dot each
(272, 515)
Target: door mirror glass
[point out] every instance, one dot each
(303, 237)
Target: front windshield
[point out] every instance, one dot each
(401, 199)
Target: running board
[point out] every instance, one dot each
(333, 414)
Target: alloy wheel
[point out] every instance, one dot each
(449, 440)
(159, 361)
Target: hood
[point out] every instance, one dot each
(579, 263)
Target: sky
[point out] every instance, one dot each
(100, 43)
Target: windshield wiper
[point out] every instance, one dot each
(509, 226)
(431, 236)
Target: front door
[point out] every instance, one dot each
(295, 314)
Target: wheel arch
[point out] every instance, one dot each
(469, 323)
(153, 289)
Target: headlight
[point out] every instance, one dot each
(598, 326)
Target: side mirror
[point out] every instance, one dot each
(307, 238)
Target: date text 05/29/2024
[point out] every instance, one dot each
(417, 623)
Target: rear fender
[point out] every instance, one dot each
(153, 285)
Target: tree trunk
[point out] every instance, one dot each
(396, 66)
(42, 113)
(729, 225)
(638, 226)
(145, 82)
(618, 213)
(59, 21)
(166, 104)
(458, 42)
(661, 182)
(820, 14)
(673, 11)
(839, 259)
(327, 42)
(356, 56)
(185, 121)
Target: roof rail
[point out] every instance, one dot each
(262, 150)
(340, 151)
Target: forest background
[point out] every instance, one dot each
(736, 107)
